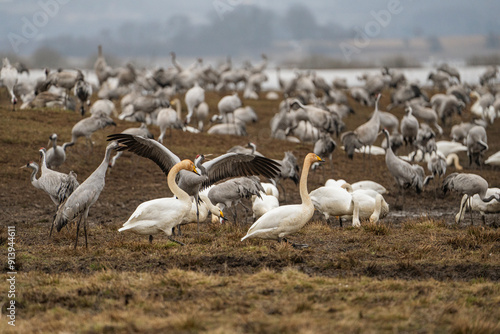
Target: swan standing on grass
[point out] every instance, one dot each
(287, 219)
(342, 201)
(162, 214)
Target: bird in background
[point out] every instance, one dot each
(78, 204)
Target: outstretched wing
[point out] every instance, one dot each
(237, 164)
(146, 148)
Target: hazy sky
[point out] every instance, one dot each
(90, 18)
(84, 17)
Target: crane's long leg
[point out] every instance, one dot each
(470, 210)
(180, 243)
(78, 230)
(196, 198)
(85, 216)
(462, 206)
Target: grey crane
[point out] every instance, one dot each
(405, 93)
(230, 193)
(238, 129)
(56, 154)
(460, 131)
(489, 74)
(477, 144)
(351, 143)
(79, 202)
(405, 174)
(446, 106)
(452, 71)
(409, 127)
(367, 132)
(428, 115)
(321, 119)
(102, 70)
(324, 148)
(227, 105)
(437, 166)
(57, 185)
(149, 103)
(64, 79)
(87, 126)
(249, 148)
(222, 167)
(460, 91)
(467, 184)
(361, 95)
(139, 131)
(288, 169)
(83, 91)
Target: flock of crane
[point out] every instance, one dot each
(312, 110)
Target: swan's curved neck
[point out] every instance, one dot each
(378, 208)
(178, 192)
(304, 194)
(178, 109)
(213, 209)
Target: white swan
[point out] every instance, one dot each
(447, 147)
(375, 150)
(368, 184)
(287, 219)
(271, 189)
(263, 204)
(334, 183)
(162, 214)
(479, 205)
(205, 208)
(493, 159)
(346, 203)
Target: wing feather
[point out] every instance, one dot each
(238, 164)
(146, 148)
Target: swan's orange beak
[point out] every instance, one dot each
(319, 159)
(194, 170)
(221, 214)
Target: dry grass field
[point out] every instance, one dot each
(414, 272)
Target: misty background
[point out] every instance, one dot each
(313, 34)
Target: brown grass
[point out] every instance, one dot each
(419, 273)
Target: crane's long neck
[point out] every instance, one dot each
(304, 194)
(103, 167)
(43, 163)
(34, 167)
(176, 190)
(389, 147)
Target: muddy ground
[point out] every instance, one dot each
(334, 251)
